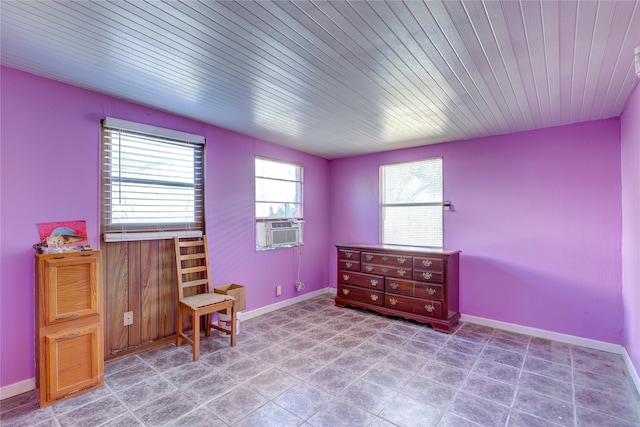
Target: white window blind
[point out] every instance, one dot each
(152, 180)
(411, 203)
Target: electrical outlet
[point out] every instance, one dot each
(278, 290)
(128, 318)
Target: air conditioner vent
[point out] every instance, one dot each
(277, 234)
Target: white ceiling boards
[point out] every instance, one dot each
(340, 78)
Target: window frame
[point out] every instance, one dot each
(384, 204)
(299, 183)
(114, 230)
(264, 223)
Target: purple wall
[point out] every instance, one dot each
(630, 154)
(49, 171)
(536, 214)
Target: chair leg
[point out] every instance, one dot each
(207, 324)
(196, 336)
(179, 327)
(233, 325)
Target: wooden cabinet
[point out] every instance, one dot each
(69, 340)
(413, 283)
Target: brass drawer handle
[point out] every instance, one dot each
(58, 257)
(374, 282)
(345, 277)
(345, 291)
(368, 268)
(348, 254)
(431, 291)
(67, 317)
(427, 276)
(374, 297)
(66, 337)
(402, 272)
(369, 257)
(429, 308)
(348, 265)
(393, 301)
(394, 285)
(385, 270)
(385, 258)
(427, 262)
(402, 260)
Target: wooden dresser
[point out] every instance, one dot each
(69, 339)
(414, 283)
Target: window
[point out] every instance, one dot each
(278, 189)
(152, 181)
(411, 203)
(278, 203)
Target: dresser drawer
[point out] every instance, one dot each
(363, 280)
(387, 271)
(348, 265)
(355, 293)
(413, 305)
(429, 264)
(345, 254)
(429, 291)
(428, 276)
(414, 289)
(399, 287)
(387, 259)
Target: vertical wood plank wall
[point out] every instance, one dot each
(140, 277)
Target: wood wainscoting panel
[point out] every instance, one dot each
(139, 276)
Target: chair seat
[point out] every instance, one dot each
(203, 300)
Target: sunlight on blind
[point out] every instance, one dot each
(411, 203)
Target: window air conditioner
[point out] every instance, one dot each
(275, 234)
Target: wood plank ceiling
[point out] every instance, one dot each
(340, 78)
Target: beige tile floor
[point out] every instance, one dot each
(313, 364)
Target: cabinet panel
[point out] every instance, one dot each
(367, 296)
(428, 276)
(363, 280)
(72, 360)
(349, 265)
(414, 289)
(349, 255)
(431, 264)
(393, 260)
(70, 288)
(387, 271)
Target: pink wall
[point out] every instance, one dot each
(630, 154)
(49, 171)
(536, 214)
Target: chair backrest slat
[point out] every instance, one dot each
(192, 264)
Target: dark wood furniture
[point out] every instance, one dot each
(68, 304)
(409, 282)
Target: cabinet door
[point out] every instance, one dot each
(70, 288)
(73, 360)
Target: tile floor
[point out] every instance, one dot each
(313, 364)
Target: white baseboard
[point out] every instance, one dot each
(556, 336)
(269, 308)
(631, 368)
(17, 388)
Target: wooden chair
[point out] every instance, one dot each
(192, 267)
